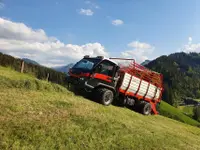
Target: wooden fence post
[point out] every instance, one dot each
(47, 77)
(22, 67)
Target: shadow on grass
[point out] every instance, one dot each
(89, 96)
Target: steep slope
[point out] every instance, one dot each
(34, 116)
(188, 110)
(177, 114)
(181, 73)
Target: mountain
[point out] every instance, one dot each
(64, 69)
(181, 73)
(145, 62)
(30, 61)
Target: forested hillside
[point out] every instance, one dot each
(38, 71)
(181, 73)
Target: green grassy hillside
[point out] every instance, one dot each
(188, 110)
(39, 115)
(177, 114)
(198, 100)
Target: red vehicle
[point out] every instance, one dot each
(132, 84)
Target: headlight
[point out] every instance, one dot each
(82, 79)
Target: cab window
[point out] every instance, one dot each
(106, 68)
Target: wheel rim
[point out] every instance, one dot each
(108, 98)
(147, 110)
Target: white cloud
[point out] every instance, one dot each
(190, 47)
(12, 30)
(87, 12)
(117, 22)
(140, 51)
(22, 41)
(140, 45)
(51, 65)
(92, 5)
(29, 55)
(190, 40)
(56, 61)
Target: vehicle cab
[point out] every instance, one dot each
(92, 72)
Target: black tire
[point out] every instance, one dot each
(146, 108)
(104, 96)
(122, 101)
(70, 87)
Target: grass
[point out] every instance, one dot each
(177, 114)
(198, 100)
(188, 110)
(31, 118)
(12, 79)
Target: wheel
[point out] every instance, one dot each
(70, 87)
(104, 96)
(146, 108)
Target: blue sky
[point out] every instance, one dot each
(142, 29)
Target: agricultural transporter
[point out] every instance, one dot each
(129, 84)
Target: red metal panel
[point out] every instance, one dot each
(128, 85)
(102, 77)
(153, 107)
(139, 97)
(80, 75)
(143, 73)
(121, 90)
(138, 87)
(147, 90)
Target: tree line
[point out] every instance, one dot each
(181, 73)
(38, 71)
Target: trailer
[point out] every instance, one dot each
(108, 80)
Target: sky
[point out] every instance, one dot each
(58, 32)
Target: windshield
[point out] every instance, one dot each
(87, 64)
